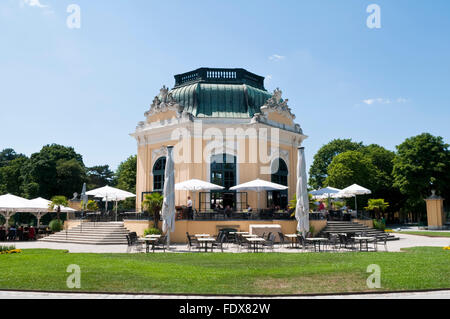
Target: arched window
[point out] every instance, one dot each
(280, 174)
(158, 174)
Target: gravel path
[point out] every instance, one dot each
(443, 294)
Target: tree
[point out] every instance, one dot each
(11, 176)
(353, 167)
(8, 155)
(126, 174)
(323, 158)
(126, 179)
(58, 201)
(349, 168)
(153, 203)
(421, 165)
(99, 176)
(56, 169)
(377, 205)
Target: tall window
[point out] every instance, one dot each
(158, 174)
(223, 170)
(223, 173)
(279, 176)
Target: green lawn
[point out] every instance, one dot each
(196, 273)
(426, 233)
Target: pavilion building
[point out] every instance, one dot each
(227, 129)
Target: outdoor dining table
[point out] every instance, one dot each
(202, 235)
(294, 239)
(204, 242)
(239, 232)
(148, 241)
(255, 242)
(317, 242)
(249, 235)
(361, 240)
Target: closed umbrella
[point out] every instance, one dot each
(302, 207)
(195, 185)
(259, 185)
(168, 209)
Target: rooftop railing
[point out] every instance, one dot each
(224, 76)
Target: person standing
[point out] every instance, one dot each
(189, 206)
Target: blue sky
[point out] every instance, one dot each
(88, 87)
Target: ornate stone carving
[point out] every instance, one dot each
(276, 103)
(163, 103)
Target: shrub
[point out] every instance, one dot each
(56, 225)
(378, 225)
(152, 231)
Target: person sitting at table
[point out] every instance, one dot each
(228, 211)
(12, 233)
(249, 209)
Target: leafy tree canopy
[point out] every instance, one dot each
(422, 164)
(324, 157)
(99, 176)
(56, 169)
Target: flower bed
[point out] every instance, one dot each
(9, 250)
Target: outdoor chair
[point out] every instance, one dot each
(334, 242)
(350, 241)
(159, 244)
(306, 245)
(283, 241)
(220, 241)
(133, 243)
(270, 242)
(242, 243)
(381, 240)
(193, 242)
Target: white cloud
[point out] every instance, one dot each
(276, 57)
(32, 3)
(381, 100)
(269, 77)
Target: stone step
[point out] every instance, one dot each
(113, 233)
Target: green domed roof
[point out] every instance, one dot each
(232, 93)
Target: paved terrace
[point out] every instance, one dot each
(405, 241)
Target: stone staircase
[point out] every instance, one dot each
(351, 227)
(111, 233)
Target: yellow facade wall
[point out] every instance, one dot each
(197, 167)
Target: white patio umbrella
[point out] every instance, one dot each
(195, 185)
(45, 205)
(11, 204)
(325, 192)
(259, 185)
(110, 193)
(168, 208)
(302, 207)
(355, 190)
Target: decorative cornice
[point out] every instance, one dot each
(163, 103)
(280, 106)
